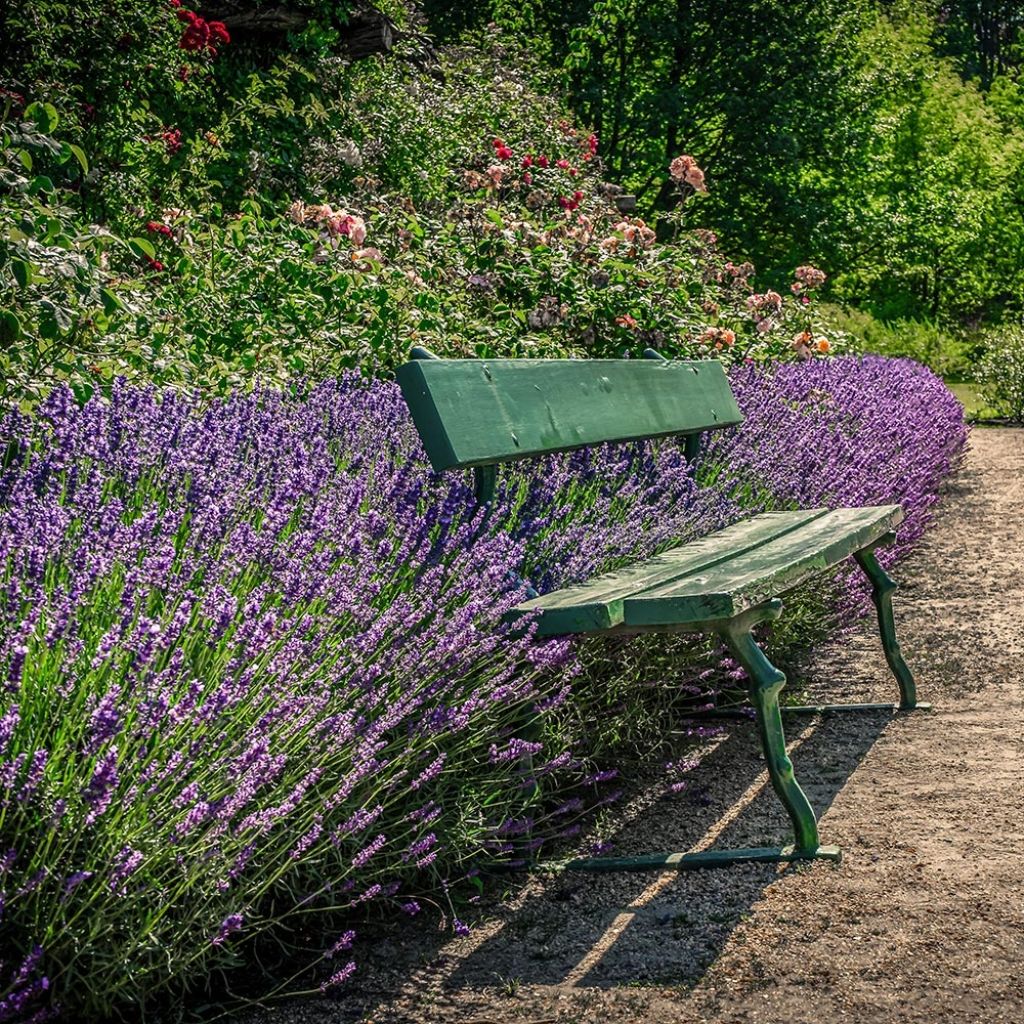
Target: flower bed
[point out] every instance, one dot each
(844, 432)
(253, 660)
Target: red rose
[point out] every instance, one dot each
(171, 137)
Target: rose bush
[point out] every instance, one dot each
(198, 262)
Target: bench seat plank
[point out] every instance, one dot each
(597, 604)
(757, 575)
(713, 577)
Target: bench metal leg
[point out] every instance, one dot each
(765, 683)
(882, 587)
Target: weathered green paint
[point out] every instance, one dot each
(705, 859)
(838, 709)
(691, 442)
(766, 682)
(714, 577)
(691, 447)
(882, 588)
(597, 605)
(475, 412)
(478, 413)
(485, 478)
(754, 576)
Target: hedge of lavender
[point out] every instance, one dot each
(255, 670)
(844, 432)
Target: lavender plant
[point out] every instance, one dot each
(834, 432)
(253, 662)
(844, 432)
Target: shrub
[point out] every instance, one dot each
(254, 668)
(949, 352)
(57, 274)
(254, 665)
(207, 257)
(222, 302)
(1001, 372)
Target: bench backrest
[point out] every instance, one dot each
(480, 412)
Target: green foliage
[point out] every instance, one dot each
(848, 134)
(950, 353)
(479, 255)
(983, 36)
(932, 201)
(1001, 372)
(62, 300)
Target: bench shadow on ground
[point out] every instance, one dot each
(599, 931)
(604, 930)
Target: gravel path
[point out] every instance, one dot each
(922, 921)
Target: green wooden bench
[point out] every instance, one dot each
(480, 413)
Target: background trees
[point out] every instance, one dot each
(881, 140)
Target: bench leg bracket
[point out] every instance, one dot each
(705, 859)
(882, 587)
(744, 711)
(766, 681)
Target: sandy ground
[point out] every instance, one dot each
(922, 921)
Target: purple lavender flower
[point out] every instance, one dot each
(75, 879)
(253, 630)
(339, 976)
(344, 942)
(362, 858)
(126, 863)
(231, 924)
(100, 790)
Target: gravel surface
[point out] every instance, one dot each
(922, 921)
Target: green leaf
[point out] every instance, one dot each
(10, 328)
(25, 159)
(48, 327)
(83, 391)
(142, 247)
(41, 183)
(111, 301)
(22, 272)
(45, 116)
(59, 315)
(80, 156)
(494, 217)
